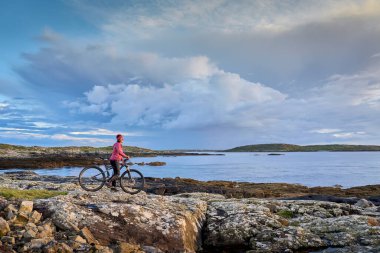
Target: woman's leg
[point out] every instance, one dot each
(116, 172)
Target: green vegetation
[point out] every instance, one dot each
(294, 223)
(9, 193)
(286, 214)
(297, 148)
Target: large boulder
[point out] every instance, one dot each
(171, 224)
(277, 226)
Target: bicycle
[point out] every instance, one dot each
(93, 178)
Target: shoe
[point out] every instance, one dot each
(108, 184)
(113, 189)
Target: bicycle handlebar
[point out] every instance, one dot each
(106, 159)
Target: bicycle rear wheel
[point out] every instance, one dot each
(132, 181)
(92, 178)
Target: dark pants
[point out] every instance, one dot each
(116, 171)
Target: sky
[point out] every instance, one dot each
(189, 74)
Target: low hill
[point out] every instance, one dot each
(7, 150)
(280, 147)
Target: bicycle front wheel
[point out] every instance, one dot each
(92, 178)
(132, 181)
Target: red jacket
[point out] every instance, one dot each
(117, 153)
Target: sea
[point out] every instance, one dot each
(344, 169)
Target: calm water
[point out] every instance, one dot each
(310, 168)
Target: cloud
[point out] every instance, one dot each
(288, 45)
(348, 104)
(220, 99)
(49, 35)
(276, 44)
(347, 135)
(52, 135)
(65, 137)
(17, 129)
(101, 131)
(12, 134)
(218, 15)
(22, 135)
(325, 131)
(338, 133)
(68, 68)
(41, 124)
(19, 113)
(362, 88)
(3, 105)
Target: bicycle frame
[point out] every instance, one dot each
(108, 167)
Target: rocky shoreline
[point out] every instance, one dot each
(46, 163)
(229, 189)
(186, 222)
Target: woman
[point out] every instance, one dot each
(116, 157)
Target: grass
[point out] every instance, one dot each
(10, 193)
(286, 214)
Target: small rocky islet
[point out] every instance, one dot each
(104, 221)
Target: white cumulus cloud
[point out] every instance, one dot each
(65, 137)
(348, 135)
(325, 131)
(203, 96)
(102, 131)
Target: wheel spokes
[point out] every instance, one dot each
(91, 179)
(132, 181)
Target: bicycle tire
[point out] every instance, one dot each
(98, 182)
(128, 181)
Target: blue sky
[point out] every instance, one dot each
(189, 74)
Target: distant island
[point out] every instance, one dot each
(280, 147)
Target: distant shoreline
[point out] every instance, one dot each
(281, 147)
(78, 160)
(8, 150)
